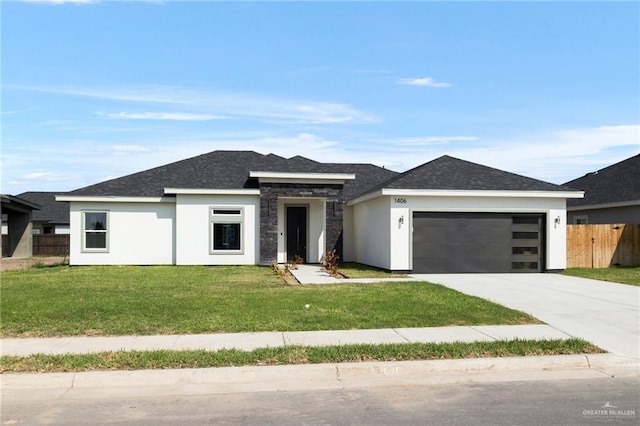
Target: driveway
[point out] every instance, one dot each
(603, 313)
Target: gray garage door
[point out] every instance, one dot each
(477, 242)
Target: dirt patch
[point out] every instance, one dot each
(13, 264)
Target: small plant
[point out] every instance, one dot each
(331, 264)
(297, 260)
(277, 269)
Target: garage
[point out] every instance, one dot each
(445, 242)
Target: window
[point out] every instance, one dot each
(226, 230)
(95, 236)
(581, 220)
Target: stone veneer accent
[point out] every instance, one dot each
(269, 194)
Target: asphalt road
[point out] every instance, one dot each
(539, 402)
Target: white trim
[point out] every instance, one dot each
(604, 205)
(106, 231)
(114, 199)
(285, 177)
(200, 191)
(225, 218)
(465, 193)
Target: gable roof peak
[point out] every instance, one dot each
(451, 173)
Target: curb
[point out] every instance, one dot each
(82, 385)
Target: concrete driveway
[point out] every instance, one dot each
(605, 314)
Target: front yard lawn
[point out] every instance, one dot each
(620, 274)
(144, 300)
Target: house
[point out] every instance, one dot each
(18, 212)
(242, 207)
(612, 195)
(53, 217)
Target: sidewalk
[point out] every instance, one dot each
(251, 341)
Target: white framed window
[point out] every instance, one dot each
(226, 230)
(581, 220)
(95, 231)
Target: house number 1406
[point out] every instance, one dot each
(401, 200)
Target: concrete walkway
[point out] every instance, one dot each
(315, 274)
(250, 341)
(603, 313)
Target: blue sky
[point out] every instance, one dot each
(93, 90)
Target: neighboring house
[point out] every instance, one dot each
(241, 207)
(53, 216)
(17, 213)
(612, 195)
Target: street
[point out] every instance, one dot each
(536, 402)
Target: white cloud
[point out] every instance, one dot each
(55, 2)
(176, 116)
(428, 140)
(424, 81)
(127, 149)
(258, 107)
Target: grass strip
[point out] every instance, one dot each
(357, 270)
(163, 359)
(619, 274)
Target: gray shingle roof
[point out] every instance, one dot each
(619, 182)
(51, 211)
(454, 174)
(229, 170)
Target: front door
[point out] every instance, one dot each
(296, 233)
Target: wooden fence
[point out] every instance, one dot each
(51, 244)
(602, 246)
(45, 244)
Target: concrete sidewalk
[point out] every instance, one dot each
(210, 381)
(250, 341)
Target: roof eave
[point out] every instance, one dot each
(113, 199)
(204, 191)
(629, 203)
(465, 193)
(313, 178)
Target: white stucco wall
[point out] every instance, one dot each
(138, 234)
(62, 229)
(372, 232)
(193, 230)
(316, 227)
(381, 240)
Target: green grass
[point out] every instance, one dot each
(357, 270)
(620, 274)
(290, 355)
(123, 300)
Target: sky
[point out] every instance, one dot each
(93, 90)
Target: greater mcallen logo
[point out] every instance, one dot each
(609, 413)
